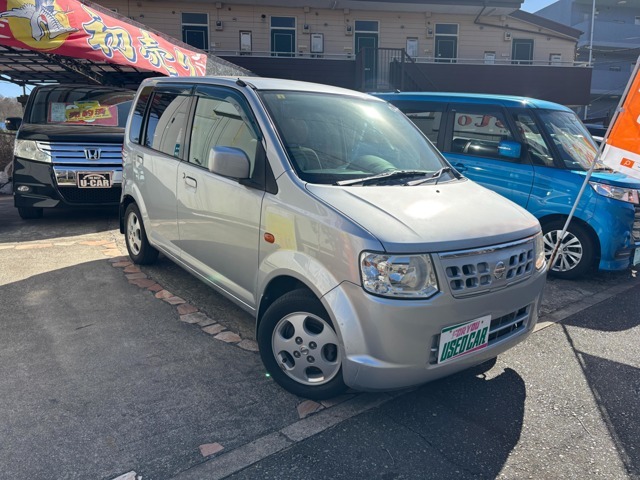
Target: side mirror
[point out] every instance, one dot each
(509, 149)
(229, 162)
(12, 123)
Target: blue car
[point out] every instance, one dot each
(537, 154)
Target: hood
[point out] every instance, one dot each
(431, 218)
(616, 179)
(70, 133)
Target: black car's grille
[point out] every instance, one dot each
(91, 195)
(636, 224)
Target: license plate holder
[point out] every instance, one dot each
(94, 179)
(464, 338)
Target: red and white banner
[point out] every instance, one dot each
(74, 29)
(622, 149)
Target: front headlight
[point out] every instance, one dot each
(398, 276)
(29, 150)
(539, 246)
(619, 193)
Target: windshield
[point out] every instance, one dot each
(336, 138)
(573, 141)
(99, 106)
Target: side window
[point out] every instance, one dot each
(221, 120)
(135, 129)
(536, 145)
(478, 132)
(428, 123)
(168, 113)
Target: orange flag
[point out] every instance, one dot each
(622, 149)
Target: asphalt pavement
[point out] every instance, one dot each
(108, 371)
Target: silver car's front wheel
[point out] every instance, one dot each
(300, 347)
(306, 347)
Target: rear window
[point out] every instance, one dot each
(95, 106)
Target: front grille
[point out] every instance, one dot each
(501, 328)
(91, 195)
(74, 153)
(473, 272)
(636, 224)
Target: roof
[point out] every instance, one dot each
(263, 83)
(23, 66)
(469, 7)
(546, 23)
(31, 63)
(477, 98)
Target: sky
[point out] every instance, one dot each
(10, 90)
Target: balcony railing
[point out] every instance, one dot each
(424, 59)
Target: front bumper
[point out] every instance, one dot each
(392, 343)
(44, 185)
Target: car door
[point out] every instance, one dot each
(156, 159)
(218, 217)
(473, 135)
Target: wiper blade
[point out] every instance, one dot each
(382, 176)
(436, 176)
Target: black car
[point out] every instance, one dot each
(68, 148)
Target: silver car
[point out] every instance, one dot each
(367, 261)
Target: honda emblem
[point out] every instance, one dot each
(92, 153)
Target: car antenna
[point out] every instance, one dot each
(240, 83)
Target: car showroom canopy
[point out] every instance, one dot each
(69, 41)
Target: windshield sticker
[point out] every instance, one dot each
(575, 145)
(81, 113)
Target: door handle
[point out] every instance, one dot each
(460, 167)
(190, 181)
(139, 160)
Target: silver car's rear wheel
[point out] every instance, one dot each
(299, 346)
(134, 230)
(139, 248)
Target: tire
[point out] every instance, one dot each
(29, 213)
(576, 253)
(139, 248)
(296, 329)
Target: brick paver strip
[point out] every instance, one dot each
(228, 337)
(132, 269)
(249, 345)
(186, 308)
(332, 402)
(110, 245)
(63, 244)
(121, 264)
(97, 243)
(111, 252)
(156, 287)
(213, 329)
(308, 407)
(121, 258)
(196, 317)
(135, 276)
(6, 247)
(206, 322)
(210, 448)
(34, 246)
(173, 300)
(142, 282)
(164, 294)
